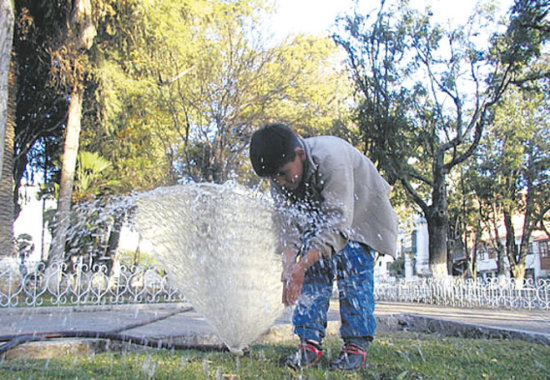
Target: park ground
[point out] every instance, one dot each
(394, 355)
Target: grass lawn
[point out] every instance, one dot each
(398, 355)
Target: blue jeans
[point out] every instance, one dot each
(353, 268)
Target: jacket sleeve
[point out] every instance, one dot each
(336, 181)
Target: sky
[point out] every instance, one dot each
(316, 16)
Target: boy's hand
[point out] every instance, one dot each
(294, 273)
(293, 281)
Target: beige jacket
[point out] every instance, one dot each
(342, 198)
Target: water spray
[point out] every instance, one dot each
(219, 246)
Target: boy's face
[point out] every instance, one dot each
(289, 176)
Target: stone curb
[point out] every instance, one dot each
(420, 323)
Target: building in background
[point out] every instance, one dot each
(413, 255)
(537, 262)
(32, 223)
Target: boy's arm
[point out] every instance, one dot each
(294, 273)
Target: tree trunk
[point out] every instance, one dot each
(7, 130)
(438, 222)
(114, 236)
(515, 257)
(518, 272)
(437, 231)
(114, 239)
(80, 37)
(63, 214)
(511, 246)
(501, 269)
(7, 239)
(82, 32)
(519, 253)
(472, 256)
(6, 41)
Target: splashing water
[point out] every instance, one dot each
(218, 245)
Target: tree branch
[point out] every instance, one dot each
(414, 195)
(421, 178)
(162, 82)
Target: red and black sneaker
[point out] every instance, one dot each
(309, 353)
(351, 357)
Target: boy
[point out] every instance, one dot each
(335, 213)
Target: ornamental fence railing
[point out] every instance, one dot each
(468, 293)
(79, 285)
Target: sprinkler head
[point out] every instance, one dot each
(240, 352)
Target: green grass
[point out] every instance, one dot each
(399, 355)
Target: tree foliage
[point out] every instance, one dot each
(41, 106)
(171, 91)
(512, 171)
(181, 88)
(428, 93)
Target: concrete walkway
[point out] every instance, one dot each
(534, 321)
(179, 323)
(528, 325)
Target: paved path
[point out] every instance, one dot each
(180, 323)
(535, 321)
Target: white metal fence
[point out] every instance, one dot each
(492, 293)
(63, 285)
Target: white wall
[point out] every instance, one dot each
(29, 220)
(422, 246)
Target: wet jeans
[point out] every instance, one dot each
(353, 268)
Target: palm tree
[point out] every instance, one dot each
(7, 111)
(78, 40)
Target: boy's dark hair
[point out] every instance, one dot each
(272, 147)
